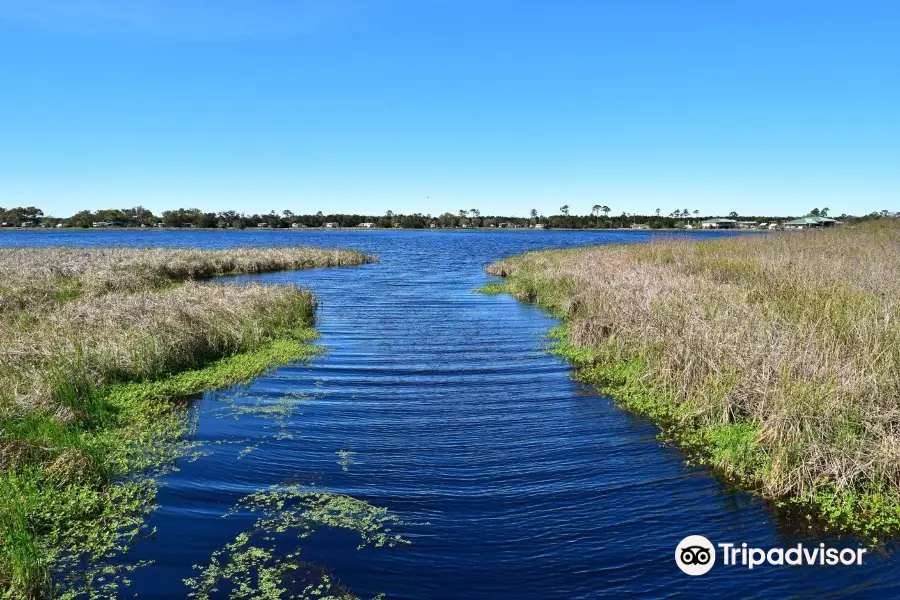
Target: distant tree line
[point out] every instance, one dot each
(600, 217)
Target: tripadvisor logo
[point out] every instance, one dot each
(696, 555)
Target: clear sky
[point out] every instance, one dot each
(763, 107)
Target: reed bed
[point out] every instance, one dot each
(123, 337)
(93, 343)
(776, 357)
(42, 275)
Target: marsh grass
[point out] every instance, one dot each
(93, 346)
(492, 288)
(30, 276)
(777, 357)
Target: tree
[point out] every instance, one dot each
(814, 212)
(733, 215)
(83, 218)
(533, 214)
(696, 213)
(605, 210)
(824, 212)
(17, 216)
(596, 210)
(564, 209)
(229, 217)
(658, 211)
(171, 218)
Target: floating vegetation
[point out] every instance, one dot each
(84, 522)
(94, 346)
(81, 521)
(247, 450)
(252, 567)
(278, 410)
(346, 459)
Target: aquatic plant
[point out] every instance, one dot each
(86, 387)
(346, 459)
(250, 566)
(491, 288)
(776, 357)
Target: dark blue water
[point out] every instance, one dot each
(514, 481)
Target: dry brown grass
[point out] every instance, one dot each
(78, 324)
(795, 334)
(72, 317)
(41, 275)
(90, 341)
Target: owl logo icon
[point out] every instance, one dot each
(695, 555)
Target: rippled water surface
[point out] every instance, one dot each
(514, 482)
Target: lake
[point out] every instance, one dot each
(512, 480)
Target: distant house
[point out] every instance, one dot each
(332, 225)
(433, 226)
(397, 225)
(811, 223)
(297, 225)
(366, 225)
(718, 224)
(747, 225)
(61, 225)
(101, 224)
(540, 226)
(640, 226)
(262, 225)
(28, 224)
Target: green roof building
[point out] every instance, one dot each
(810, 222)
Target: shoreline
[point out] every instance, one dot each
(97, 353)
(618, 304)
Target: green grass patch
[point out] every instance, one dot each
(61, 519)
(492, 288)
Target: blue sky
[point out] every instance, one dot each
(363, 106)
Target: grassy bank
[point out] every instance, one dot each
(93, 346)
(775, 359)
(46, 275)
